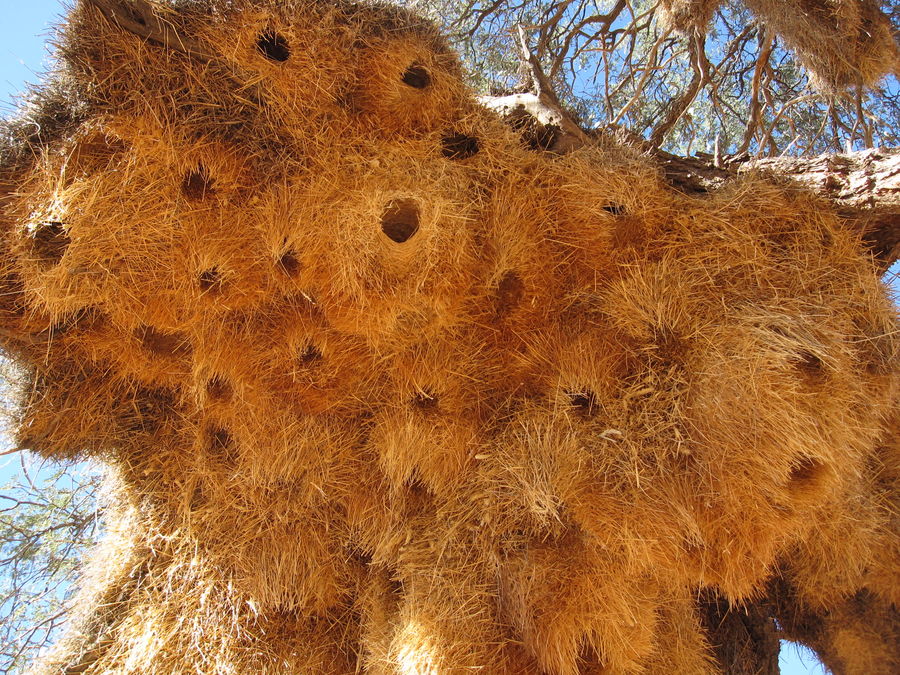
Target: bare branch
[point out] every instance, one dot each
(767, 43)
(544, 90)
(679, 106)
(146, 20)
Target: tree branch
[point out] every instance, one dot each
(677, 108)
(767, 44)
(864, 187)
(146, 20)
(544, 91)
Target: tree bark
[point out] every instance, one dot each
(863, 186)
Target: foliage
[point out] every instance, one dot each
(733, 87)
(48, 517)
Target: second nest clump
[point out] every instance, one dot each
(842, 43)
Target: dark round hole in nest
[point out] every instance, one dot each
(425, 400)
(219, 439)
(459, 146)
(807, 475)
(400, 220)
(584, 402)
(416, 76)
(509, 292)
(210, 281)
(218, 389)
(197, 184)
(163, 344)
(221, 444)
(289, 263)
(309, 355)
(810, 366)
(273, 46)
(616, 209)
(416, 487)
(395, 584)
(49, 241)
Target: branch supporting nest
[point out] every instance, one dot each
(679, 106)
(864, 186)
(544, 91)
(147, 21)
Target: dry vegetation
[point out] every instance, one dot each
(841, 42)
(384, 389)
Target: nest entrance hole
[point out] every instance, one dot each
(615, 209)
(425, 401)
(584, 402)
(218, 389)
(309, 355)
(459, 146)
(400, 220)
(220, 445)
(807, 476)
(273, 46)
(416, 487)
(509, 293)
(163, 344)
(810, 367)
(49, 241)
(416, 76)
(290, 264)
(210, 281)
(197, 184)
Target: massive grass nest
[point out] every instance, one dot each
(841, 43)
(386, 391)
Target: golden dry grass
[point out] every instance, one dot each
(686, 16)
(842, 43)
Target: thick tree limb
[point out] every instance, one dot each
(864, 187)
(146, 20)
(545, 93)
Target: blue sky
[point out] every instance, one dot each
(23, 56)
(23, 32)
